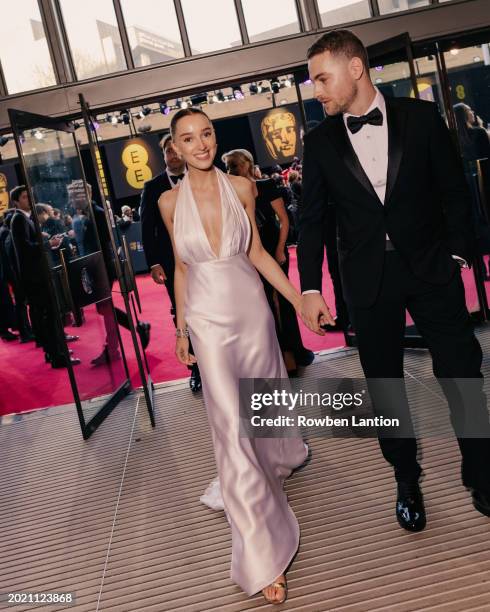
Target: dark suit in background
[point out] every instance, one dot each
(427, 215)
(32, 275)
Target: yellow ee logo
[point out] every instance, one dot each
(460, 92)
(135, 158)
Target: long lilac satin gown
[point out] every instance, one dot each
(233, 335)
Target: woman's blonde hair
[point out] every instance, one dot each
(240, 155)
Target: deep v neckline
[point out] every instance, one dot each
(217, 256)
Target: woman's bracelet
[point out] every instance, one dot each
(182, 333)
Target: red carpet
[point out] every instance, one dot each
(28, 383)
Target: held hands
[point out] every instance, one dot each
(182, 352)
(315, 312)
(158, 275)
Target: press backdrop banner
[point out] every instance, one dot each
(8, 180)
(133, 162)
(276, 135)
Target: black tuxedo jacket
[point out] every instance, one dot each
(156, 241)
(27, 251)
(427, 208)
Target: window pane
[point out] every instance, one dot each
(211, 25)
(153, 31)
(343, 11)
(392, 6)
(94, 37)
(270, 19)
(24, 50)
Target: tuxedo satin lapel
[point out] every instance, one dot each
(340, 139)
(397, 120)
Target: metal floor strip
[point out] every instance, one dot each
(117, 518)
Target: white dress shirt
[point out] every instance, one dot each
(370, 144)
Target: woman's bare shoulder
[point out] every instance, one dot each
(168, 199)
(243, 186)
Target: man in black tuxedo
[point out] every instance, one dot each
(33, 281)
(156, 241)
(404, 227)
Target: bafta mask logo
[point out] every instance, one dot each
(279, 133)
(4, 193)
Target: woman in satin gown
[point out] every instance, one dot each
(220, 302)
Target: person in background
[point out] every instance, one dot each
(32, 275)
(268, 204)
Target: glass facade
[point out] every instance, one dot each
(211, 25)
(333, 12)
(153, 31)
(392, 6)
(24, 51)
(93, 36)
(271, 19)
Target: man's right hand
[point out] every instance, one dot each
(315, 312)
(158, 275)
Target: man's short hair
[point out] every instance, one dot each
(340, 42)
(42, 209)
(16, 192)
(164, 141)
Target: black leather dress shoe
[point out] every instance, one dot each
(304, 357)
(143, 330)
(63, 363)
(195, 379)
(410, 511)
(481, 501)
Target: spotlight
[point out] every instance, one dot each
(288, 83)
(477, 59)
(4, 140)
(182, 103)
(114, 120)
(214, 98)
(454, 51)
(95, 125)
(197, 99)
(125, 117)
(76, 125)
(253, 89)
(142, 129)
(275, 86)
(146, 110)
(379, 68)
(108, 118)
(164, 109)
(220, 96)
(378, 80)
(38, 134)
(238, 93)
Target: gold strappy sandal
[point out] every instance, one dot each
(278, 585)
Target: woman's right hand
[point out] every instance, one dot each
(182, 352)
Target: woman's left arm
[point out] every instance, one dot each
(265, 264)
(280, 210)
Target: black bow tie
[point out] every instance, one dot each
(375, 117)
(176, 177)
